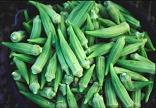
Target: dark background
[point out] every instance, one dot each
(8, 10)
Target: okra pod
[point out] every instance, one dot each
(84, 80)
(16, 75)
(111, 99)
(68, 79)
(100, 69)
(61, 101)
(21, 66)
(27, 26)
(149, 42)
(62, 27)
(70, 56)
(92, 90)
(77, 49)
(36, 28)
(98, 101)
(115, 53)
(17, 36)
(72, 103)
(94, 17)
(51, 68)
(106, 22)
(34, 85)
(136, 97)
(138, 66)
(58, 78)
(24, 48)
(39, 40)
(110, 32)
(103, 11)
(42, 102)
(47, 92)
(41, 60)
(21, 86)
(120, 90)
(26, 16)
(63, 89)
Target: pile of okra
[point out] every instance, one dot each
(82, 54)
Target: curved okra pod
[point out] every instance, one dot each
(39, 100)
(134, 75)
(72, 103)
(22, 69)
(41, 60)
(115, 53)
(138, 66)
(110, 32)
(17, 36)
(100, 69)
(51, 68)
(61, 101)
(36, 28)
(120, 90)
(77, 49)
(70, 56)
(24, 48)
(39, 40)
(111, 99)
(47, 92)
(84, 80)
(34, 86)
(98, 101)
(58, 78)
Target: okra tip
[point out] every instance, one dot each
(35, 70)
(34, 87)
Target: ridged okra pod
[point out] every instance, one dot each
(27, 26)
(84, 80)
(24, 48)
(136, 97)
(47, 92)
(42, 102)
(92, 90)
(138, 66)
(72, 103)
(149, 42)
(132, 85)
(69, 56)
(98, 101)
(77, 49)
(115, 53)
(100, 69)
(17, 76)
(41, 60)
(36, 28)
(51, 68)
(106, 22)
(110, 32)
(21, 66)
(62, 26)
(120, 90)
(68, 79)
(61, 101)
(58, 78)
(111, 98)
(101, 50)
(26, 16)
(34, 85)
(39, 40)
(17, 36)
(61, 58)
(63, 88)
(24, 57)
(134, 75)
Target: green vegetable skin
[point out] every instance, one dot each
(87, 54)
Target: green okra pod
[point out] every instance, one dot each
(106, 22)
(92, 90)
(26, 16)
(68, 79)
(103, 11)
(21, 66)
(24, 48)
(77, 49)
(61, 101)
(39, 40)
(98, 101)
(51, 68)
(63, 88)
(42, 102)
(149, 42)
(27, 26)
(84, 80)
(16, 75)
(136, 97)
(115, 53)
(36, 28)
(41, 60)
(100, 69)
(21, 86)
(111, 98)
(34, 85)
(120, 90)
(69, 56)
(72, 103)
(58, 78)
(110, 32)
(47, 92)
(138, 66)
(94, 16)
(62, 27)
(17, 36)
